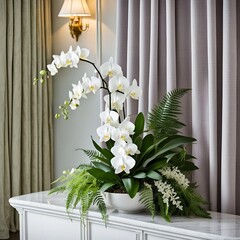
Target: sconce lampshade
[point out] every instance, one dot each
(74, 8)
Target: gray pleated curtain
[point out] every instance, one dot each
(26, 117)
(168, 44)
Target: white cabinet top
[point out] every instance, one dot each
(220, 226)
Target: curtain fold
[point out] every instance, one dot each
(26, 115)
(229, 107)
(191, 44)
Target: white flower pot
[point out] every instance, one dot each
(123, 203)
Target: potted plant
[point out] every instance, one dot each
(146, 157)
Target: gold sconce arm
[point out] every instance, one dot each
(76, 27)
(75, 9)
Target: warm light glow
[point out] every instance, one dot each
(75, 9)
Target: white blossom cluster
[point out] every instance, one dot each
(119, 89)
(176, 174)
(168, 194)
(71, 58)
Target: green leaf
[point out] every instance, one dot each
(148, 141)
(110, 144)
(173, 143)
(105, 152)
(140, 175)
(106, 177)
(159, 164)
(138, 142)
(154, 175)
(106, 186)
(131, 185)
(151, 148)
(170, 156)
(139, 125)
(102, 166)
(188, 166)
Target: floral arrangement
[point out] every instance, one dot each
(146, 155)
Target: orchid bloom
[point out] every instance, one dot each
(122, 164)
(60, 60)
(82, 52)
(74, 103)
(110, 69)
(78, 91)
(52, 68)
(117, 100)
(91, 84)
(71, 58)
(118, 84)
(134, 90)
(109, 117)
(104, 132)
(124, 148)
(121, 161)
(120, 134)
(127, 125)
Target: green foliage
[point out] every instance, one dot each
(193, 203)
(81, 188)
(162, 147)
(163, 119)
(146, 194)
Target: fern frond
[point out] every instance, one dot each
(57, 189)
(194, 203)
(92, 154)
(163, 119)
(99, 201)
(147, 199)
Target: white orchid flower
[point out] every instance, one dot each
(127, 125)
(117, 100)
(109, 117)
(77, 91)
(91, 84)
(110, 69)
(74, 104)
(104, 132)
(60, 60)
(118, 149)
(124, 149)
(122, 163)
(71, 58)
(131, 149)
(134, 90)
(118, 84)
(52, 68)
(82, 52)
(119, 135)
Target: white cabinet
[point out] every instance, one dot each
(44, 217)
(114, 232)
(45, 226)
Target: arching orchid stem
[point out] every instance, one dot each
(104, 83)
(124, 114)
(109, 94)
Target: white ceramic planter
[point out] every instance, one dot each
(123, 203)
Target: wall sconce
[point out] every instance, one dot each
(75, 9)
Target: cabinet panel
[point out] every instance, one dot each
(99, 231)
(42, 227)
(168, 236)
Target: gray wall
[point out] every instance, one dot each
(76, 132)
